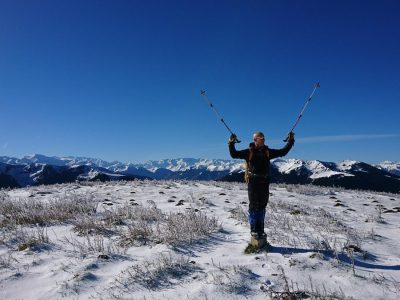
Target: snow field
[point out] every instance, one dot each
(186, 240)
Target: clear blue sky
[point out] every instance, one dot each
(120, 80)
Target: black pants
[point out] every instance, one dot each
(258, 199)
(258, 194)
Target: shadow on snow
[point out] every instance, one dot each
(342, 257)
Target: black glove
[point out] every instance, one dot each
(290, 137)
(233, 139)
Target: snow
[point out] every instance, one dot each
(185, 164)
(302, 216)
(391, 167)
(346, 165)
(319, 170)
(176, 165)
(315, 168)
(286, 166)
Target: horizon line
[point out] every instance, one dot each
(340, 138)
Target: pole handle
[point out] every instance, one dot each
(287, 138)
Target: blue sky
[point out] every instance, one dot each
(120, 80)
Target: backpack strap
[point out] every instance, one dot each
(266, 152)
(246, 165)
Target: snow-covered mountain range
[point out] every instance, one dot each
(39, 169)
(175, 165)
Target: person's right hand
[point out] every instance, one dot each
(233, 139)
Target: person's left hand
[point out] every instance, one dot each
(291, 136)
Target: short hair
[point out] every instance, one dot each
(258, 133)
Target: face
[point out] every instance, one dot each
(258, 139)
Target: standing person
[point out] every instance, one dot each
(258, 157)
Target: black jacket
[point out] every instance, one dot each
(260, 163)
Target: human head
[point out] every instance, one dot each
(258, 138)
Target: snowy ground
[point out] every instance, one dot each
(186, 240)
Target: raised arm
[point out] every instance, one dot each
(274, 153)
(243, 154)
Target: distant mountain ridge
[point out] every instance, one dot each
(40, 169)
(391, 167)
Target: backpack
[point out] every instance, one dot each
(246, 162)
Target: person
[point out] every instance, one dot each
(257, 176)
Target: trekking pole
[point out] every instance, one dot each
(303, 110)
(203, 93)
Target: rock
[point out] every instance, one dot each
(354, 248)
(181, 202)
